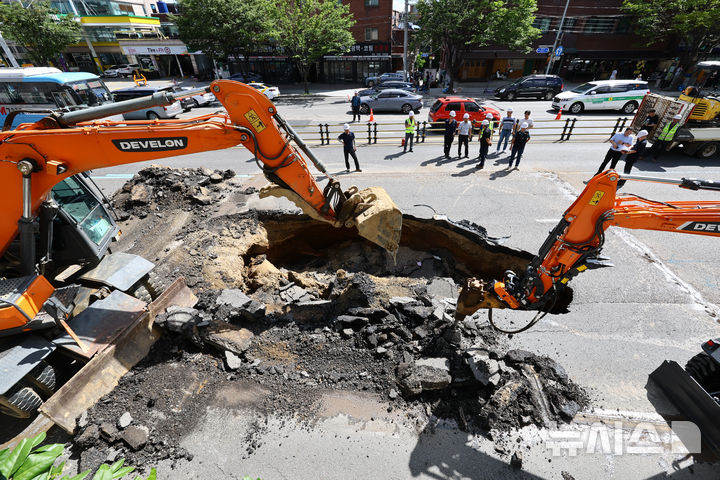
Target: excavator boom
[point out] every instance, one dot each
(59, 146)
(574, 244)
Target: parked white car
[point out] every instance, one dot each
(203, 100)
(268, 91)
(624, 95)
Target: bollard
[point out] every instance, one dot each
(572, 126)
(369, 133)
(564, 130)
(375, 132)
(327, 134)
(617, 125)
(424, 131)
(322, 138)
(622, 125)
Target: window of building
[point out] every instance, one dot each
(599, 25)
(371, 34)
(372, 3)
(569, 23)
(623, 25)
(542, 23)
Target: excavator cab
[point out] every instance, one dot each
(706, 101)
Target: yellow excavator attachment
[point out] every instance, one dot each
(371, 210)
(476, 294)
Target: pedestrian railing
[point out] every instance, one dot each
(570, 129)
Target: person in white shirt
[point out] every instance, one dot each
(464, 131)
(613, 75)
(527, 120)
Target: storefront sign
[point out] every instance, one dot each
(155, 50)
(369, 49)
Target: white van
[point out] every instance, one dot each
(623, 95)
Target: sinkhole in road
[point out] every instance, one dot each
(291, 310)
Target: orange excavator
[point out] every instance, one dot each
(53, 220)
(574, 246)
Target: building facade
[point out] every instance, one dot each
(596, 38)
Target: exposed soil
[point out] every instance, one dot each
(290, 308)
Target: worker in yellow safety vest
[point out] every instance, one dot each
(410, 126)
(665, 138)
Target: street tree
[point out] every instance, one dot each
(225, 28)
(309, 29)
(456, 26)
(40, 29)
(691, 24)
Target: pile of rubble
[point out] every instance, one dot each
(307, 309)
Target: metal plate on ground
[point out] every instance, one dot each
(102, 373)
(19, 355)
(120, 270)
(101, 323)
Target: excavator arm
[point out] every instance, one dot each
(574, 245)
(35, 157)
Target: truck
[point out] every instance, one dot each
(697, 136)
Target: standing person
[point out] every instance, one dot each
(615, 152)
(527, 120)
(518, 144)
(613, 75)
(634, 154)
(491, 122)
(355, 103)
(485, 142)
(464, 134)
(347, 138)
(450, 129)
(507, 126)
(410, 126)
(665, 137)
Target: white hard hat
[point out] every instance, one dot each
(467, 115)
(677, 117)
(452, 113)
(485, 122)
(524, 125)
(642, 133)
(411, 114)
(489, 116)
(624, 148)
(346, 127)
(509, 109)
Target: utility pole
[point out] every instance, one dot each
(8, 52)
(557, 36)
(405, 42)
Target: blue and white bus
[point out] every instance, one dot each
(40, 89)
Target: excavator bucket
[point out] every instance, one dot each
(476, 294)
(371, 210)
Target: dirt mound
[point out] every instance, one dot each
(291, 308)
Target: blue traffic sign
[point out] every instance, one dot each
(559, 50)
(542, 50)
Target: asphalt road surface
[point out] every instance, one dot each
(659, 301)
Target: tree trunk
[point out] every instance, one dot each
(305, 72)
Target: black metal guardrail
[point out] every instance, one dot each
(546, 131)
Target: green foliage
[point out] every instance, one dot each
(694, 22)
(39, 28)
(221, 28)
(26, 462)
(309, 29)
(456, 26)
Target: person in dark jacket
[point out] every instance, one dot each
(519, 141)
(355, 104)
(634, 154)
(485, 142)
(450, 129)
(347, 138)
